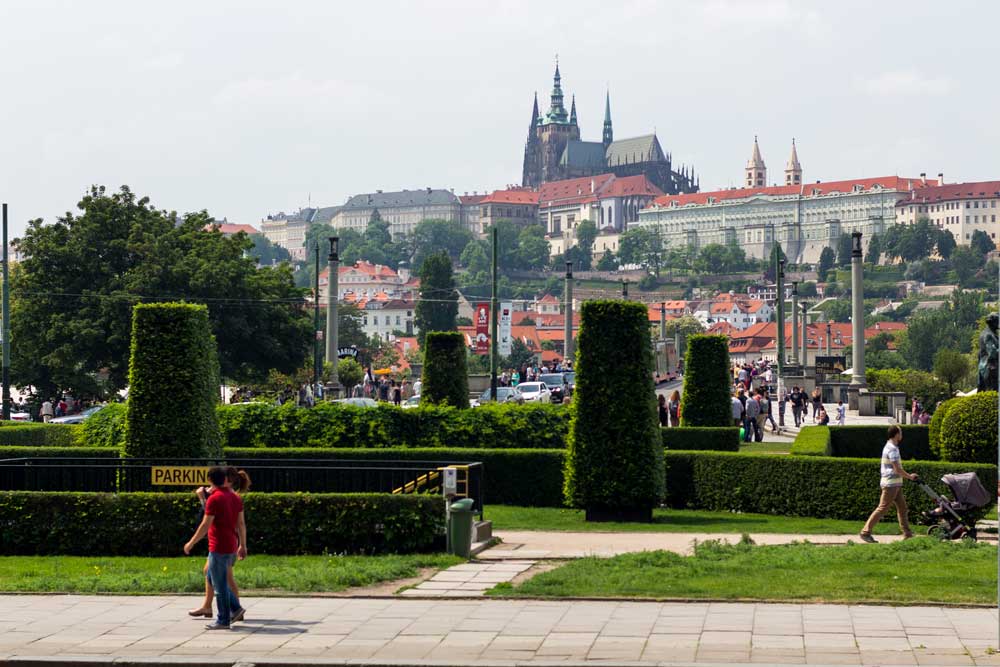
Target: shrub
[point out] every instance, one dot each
(105, 428)
(158, 524)
(923, 386)
(445, 376)
(614, 459)
(969, 429)
(707, 382)
(39, 435)
(866, 442)
(813, 486)
(934, 428)
(703, 438)
(173, 384)
(812, 441)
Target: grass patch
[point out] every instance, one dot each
(921, 570)
(285, 574)
(765, 447)
(508, 517)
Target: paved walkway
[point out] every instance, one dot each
(491, 632)
(539, 544)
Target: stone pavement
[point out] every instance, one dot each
(531, 544)
(356, 631)
(469, 579)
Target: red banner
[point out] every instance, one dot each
(482, 328)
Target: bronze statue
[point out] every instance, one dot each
(988, 347)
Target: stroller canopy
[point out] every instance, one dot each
(968, 489)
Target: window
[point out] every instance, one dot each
(398, 321)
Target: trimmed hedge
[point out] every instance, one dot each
(813, 486)
(867, 442)
(445, 376)
(614, 455)
(39, 435)
(934, 428)
(707, 383)
(158, 524)
(59, 452)
(812, 441)
(541, 425)
(702, 438)
(105, 428)
(969, 430)
(173, 383)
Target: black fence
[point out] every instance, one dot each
(267, 475)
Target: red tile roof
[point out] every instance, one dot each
(594, 188)
(228, 229)
(630, 185)
(471, 200)
(805, 190)
(939, 193)
(512, 196)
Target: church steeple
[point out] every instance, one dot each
(609, 135)
(534, 117)
(572, 111)
(793, 170)
(756, 171)
(557, 111)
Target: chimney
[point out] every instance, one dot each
(940, 178)
(923, 178)
(591, 186)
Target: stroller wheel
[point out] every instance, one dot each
(936, 531)
(970, 536)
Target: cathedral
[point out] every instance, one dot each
(554, 151)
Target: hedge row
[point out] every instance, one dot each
(868, 441)
(39, 435)
(812, 441)
(158, 524)
(702, 438)
(813, 486)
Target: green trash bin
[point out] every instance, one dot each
(460, 520)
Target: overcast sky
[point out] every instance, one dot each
(248, 108)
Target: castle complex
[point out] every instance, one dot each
(555, 152)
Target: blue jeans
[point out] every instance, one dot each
(218, 568)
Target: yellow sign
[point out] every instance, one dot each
(179, 475)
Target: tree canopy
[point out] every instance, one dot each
(437, 306)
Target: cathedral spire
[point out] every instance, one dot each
(793, 170)
(557, 111)
(534, 115)
(756, 171)
(609, 135)
(572, 111)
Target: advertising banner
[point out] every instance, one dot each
(482, 328)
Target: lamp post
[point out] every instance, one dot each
(625, 288)
(829, 334)
(857, 312)
(568, 324)
(333, 261)
(805, 321)
(317, 332)
(794, 356)
(779, 275)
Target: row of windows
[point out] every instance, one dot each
(950, 206)
(388, 320)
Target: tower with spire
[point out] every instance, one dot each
(756, 171)
(548, 137)
(608, 136)
(793, 170)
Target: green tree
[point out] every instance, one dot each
(945, 243)
(844, 245)
(445, 378)
(508, 246)
(119, 251)
(688, 325)
(532, 248)
(431, 236)
(838, 311)
(266, 252)
(712, 259)
(349, 373)
(827, 258)
(874, 254)
(981, 242)
(950, 366)
(642, 246)
(966, 262)
(437, 305)
(586, 234)
(772, 259)
(476, 257)
(707, 382)
(607, 262)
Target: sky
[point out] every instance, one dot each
(250, 108)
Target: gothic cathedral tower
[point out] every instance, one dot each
(547, 138)
(756, 171)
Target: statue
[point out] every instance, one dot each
(988, 346)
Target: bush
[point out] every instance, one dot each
(706, 395)
(812, 441)
(173, 384)
(445, 376)
(158, 524)
(539, 425)
(614, 458)
(866, 442)
(923, 386)
(105, 428)
(702, 438)
(934, 428)
(811, 486)
(39, 435)
(969, 429)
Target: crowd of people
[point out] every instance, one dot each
(512, 377)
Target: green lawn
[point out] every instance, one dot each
(780, 447)
(507, 517)
(287, 574)
(920, 570)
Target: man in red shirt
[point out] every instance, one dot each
(227, 541)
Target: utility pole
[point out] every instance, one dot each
(663, 321)
(805, 320)
(568, 324)
(6, 321)
(332, 262)
(493, 319)
(779, 275)
(317, 332)
(794, 357)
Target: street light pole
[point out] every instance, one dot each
(493, 319)
(568, 324)
(333, 262)
(317, 332)
(794, 357)
(6, 321)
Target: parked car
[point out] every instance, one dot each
(506, 395)
(411, 402)
(358, 401)
(535, 392)
(558, 385)
(78, 418)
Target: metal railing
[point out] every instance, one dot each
(267, 475)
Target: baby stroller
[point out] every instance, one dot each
(952, 519)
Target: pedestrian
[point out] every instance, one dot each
(915, 412)
(752, 411)
(222, 521)
(924, 418)
(239, 482)
(782, 401)
(407, 389)
(892, 488)
(798, 401)
(397, 394)
(824, 419)
(817, 402)
(674, 408)
(737, 413)
(841, 413)
(763, 406)
(47, 411)
(661, 410)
